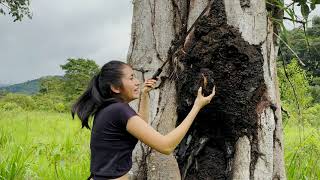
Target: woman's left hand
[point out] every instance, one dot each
(149, 84)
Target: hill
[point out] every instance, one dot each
(3, 85)
(29, 87)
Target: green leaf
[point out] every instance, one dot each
(2, 11)
(317, 1)
(305, 11)
(290, 12)
(16, 8)
(313, 4)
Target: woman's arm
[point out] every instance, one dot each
(166, 144)
(144, 106)
(144, 102)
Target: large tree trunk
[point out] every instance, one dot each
(237, 136)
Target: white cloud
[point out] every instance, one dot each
(95, 29)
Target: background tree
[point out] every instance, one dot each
(17, 101)
(52, 85)
(16, 8)
(78, 73)
(51, 96)
(3, 93)
(298, 99)
(306, 46)
(316, 21)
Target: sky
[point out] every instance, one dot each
(62, 29)
(289, 25)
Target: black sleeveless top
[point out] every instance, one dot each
(111, 144)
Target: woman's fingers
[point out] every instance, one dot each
(200, 91)
(213, 92)
(208, 98)
(150, 83)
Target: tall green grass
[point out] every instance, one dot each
(302, 152)
(42, 145)
(47, 145)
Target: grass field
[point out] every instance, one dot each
(302, 152)
(43, 145)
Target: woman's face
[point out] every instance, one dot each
(130, 89)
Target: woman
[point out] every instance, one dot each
(117, 127)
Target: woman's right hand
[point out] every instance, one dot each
(201, 101)
(149, 85)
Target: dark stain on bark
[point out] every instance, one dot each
(244, 4)
(218, 53)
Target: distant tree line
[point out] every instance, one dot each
(56, 93)
(299, 74)
(305, 45)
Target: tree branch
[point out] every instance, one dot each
(294, 53)
(302, 22)
(5, 5)
(292, 86)
(290, 4)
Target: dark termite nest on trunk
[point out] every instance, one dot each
(219, 56)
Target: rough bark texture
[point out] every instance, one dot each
(237, 136)
(154, 26)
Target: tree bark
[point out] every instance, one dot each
(237, 136)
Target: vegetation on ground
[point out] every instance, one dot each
(42, 145)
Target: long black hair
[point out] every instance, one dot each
(99, 93)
